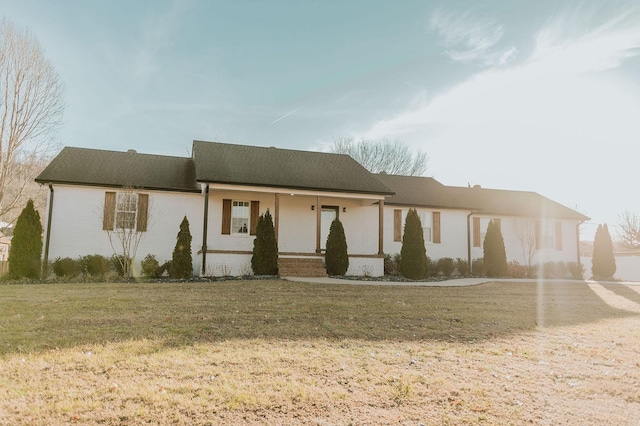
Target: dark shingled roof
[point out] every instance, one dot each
(420, 192)
(428, 192)
(282, 168)
(83, 166)
(514, 203)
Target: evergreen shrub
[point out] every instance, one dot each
(66, 267)
(151, 267)
(495, 257)
(603, 263)
(336, 257)
(182, 262)
(446, 266)
(94, 265)
(264, 260)
(463, 266)
(413, 255)
(26, 244)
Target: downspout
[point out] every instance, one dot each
(45, 265)
(469, 241)
(471, 213)
(578, 243)
(205, 225)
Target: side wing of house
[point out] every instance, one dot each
(85, 221)
(529, 240)
(98, 199)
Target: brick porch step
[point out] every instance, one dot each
(301, 267)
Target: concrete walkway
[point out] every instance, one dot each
(456, 282)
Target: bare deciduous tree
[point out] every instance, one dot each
(629, 229)
(525, 230)
(384, 155)
(31, 107)
(125, 218)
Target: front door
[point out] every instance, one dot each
(327, 216)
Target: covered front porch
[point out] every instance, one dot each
(302, 219)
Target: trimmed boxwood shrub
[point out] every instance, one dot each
(94, 265)
(151, 267)
(446, 266)
(463, 266)
(66, 267)
(336, 257)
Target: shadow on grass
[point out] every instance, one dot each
(624, 291)
(41, 317)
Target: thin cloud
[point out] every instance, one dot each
(467, 38)
(285, 116)
(553, 79)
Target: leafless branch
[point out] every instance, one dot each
(384, 155)
(31, 108)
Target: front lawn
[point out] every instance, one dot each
(276, 352)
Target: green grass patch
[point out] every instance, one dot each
(47, 316)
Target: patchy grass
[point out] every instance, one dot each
(274, 352)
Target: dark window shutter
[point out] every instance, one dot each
(538, 235)
(143, 208)
(226, 217)
(558, 235)
(397, 225)
(109, 215)
(255, 213)
(476, 232)
(436, 227)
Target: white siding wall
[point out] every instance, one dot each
(514, 247)
(77, 223)
(453, 237)
(453, 233)
(297, 231)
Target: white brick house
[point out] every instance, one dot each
(223, 188)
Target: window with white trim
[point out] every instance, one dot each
(126, 209)
(426, 219)
(240, 217)
(547, 235)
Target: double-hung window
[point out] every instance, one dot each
(126, 209)
(240, 217)
(426, 219)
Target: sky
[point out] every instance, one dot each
(537, 96)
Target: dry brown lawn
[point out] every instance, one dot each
(274, 352)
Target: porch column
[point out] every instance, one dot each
(205, 225)
(276, 215)
(318, 224)
(381, 227)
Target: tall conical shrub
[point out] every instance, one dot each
(495, 256)
(603, 263)
(413, 255)
(265, 247)
(26, 244)
(336, 257)
(181, 262)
